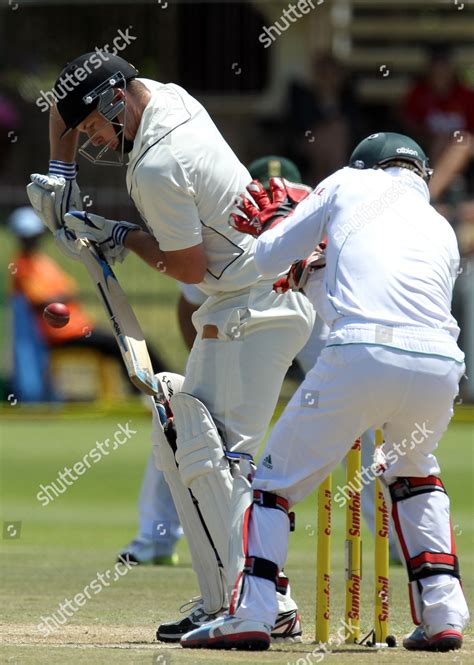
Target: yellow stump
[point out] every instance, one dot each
(323, 563)
(381, 581)
(353, 544)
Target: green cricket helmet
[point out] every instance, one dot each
(272, 166)
(384, 149)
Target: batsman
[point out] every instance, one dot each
(183, 178)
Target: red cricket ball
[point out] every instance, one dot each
(56, 315)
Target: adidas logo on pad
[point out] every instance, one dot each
(267, 462)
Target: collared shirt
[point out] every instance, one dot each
(184, 179)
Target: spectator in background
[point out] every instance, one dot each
(36, 281)
(439, 110)
(322, 118)
(439, 105)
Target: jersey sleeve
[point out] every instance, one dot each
(168, 205)
(297, 236)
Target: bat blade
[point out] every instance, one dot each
(124, 323)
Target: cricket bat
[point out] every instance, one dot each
(124, 323)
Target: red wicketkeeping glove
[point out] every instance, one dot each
(298, 274)
(262, 214)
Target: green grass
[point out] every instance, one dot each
(64, 545)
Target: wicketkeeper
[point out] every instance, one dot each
(391, 362)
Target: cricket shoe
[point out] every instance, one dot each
(145, 551)
(173, 631)
(447, 639)
(229, 632)
(287, 627)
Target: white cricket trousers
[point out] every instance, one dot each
(351, 389)
(238, 376)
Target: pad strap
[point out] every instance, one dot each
(270, 500)
(282, 584)
(264, 568)
(406, 488)
(427, 564)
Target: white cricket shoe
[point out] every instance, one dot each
(287, 626)
(229, 632)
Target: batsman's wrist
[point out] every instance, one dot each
(129, 239)
(66, 170)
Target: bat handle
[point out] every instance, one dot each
(161, 410)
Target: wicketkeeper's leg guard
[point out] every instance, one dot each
(420, 512)
(243, 498)
(258, 566)
(243, 471)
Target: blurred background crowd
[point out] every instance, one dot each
(340, 71)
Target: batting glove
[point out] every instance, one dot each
(66, 242)
(259, 214)
(108, 234)
(300, 271)
(52, 196)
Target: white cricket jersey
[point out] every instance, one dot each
(392, 260)
(183, 179)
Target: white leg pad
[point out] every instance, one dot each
(242, 499)
(205, 564)
(203, 467)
